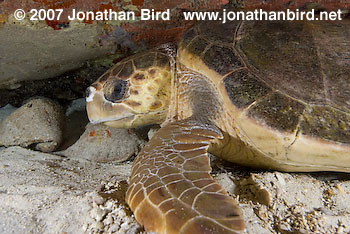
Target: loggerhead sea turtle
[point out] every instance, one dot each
(258, 93)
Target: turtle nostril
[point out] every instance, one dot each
(87, 92)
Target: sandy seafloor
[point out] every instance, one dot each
(44, 193)
(48, 193)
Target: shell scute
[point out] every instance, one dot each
(285, 55)
(198, 46)
(217, 31)
(222, 59)
(243, 88)
(278, 111)
(327, 123)
(188, 36)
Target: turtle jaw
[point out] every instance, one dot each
(100, 110)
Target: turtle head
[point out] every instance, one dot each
(133, 93)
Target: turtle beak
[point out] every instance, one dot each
(100, 110)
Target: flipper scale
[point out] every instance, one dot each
(177, 194)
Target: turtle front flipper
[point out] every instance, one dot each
(171, 189)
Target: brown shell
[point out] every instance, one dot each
(293, 77)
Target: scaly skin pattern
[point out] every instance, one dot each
(171, 189)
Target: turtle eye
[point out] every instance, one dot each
(115, 90)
